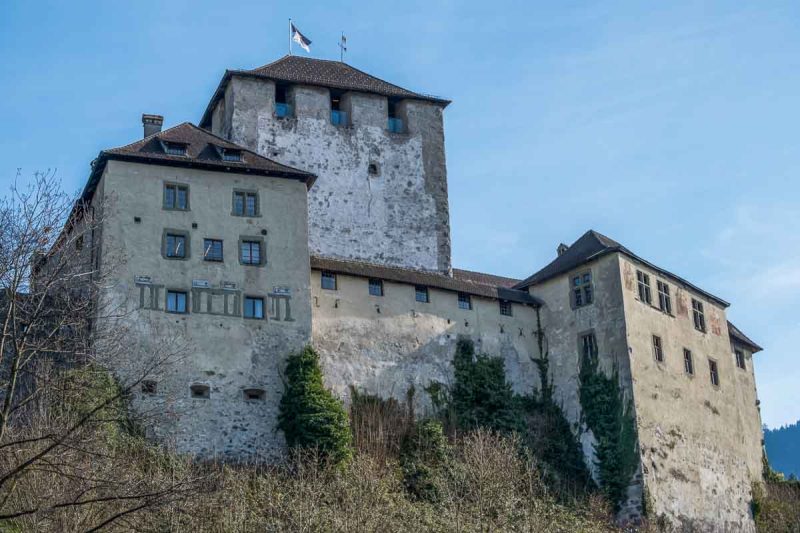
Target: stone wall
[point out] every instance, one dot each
(219, 348)
(386, 345)
(701, 444)
(564, 326)
(397, 215)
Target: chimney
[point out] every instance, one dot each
(561, 249)
(152, 124)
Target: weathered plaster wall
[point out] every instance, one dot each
(225, 351)
(701, 445)
(411, 343)
(564, 327)
(398, 217)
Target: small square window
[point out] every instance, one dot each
(212, 250)
(505, 308)
(688, 362)
(174, 148)
(658, 350)
(376, 287)
(200, 391)
(176, 196)
(740, 362)
(250, 252)
(149, 386)
(421, 294)
(175, 246)
(464, 301)
(254, 395)
(643, 281)
(245, 204)
(328, 280)
(253, 307)
(698, 315)
(176, 302)
(714, 372)
(230, 154)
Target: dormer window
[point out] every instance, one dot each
(231, 154)
(174, 148)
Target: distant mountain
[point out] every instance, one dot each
(783, 449)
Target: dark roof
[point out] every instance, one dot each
(484, 279)
(593, 245)
(737, 336)
(321, 72)
(202, 151)
(462, 281)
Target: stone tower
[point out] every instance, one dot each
(377, 149)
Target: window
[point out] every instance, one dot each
(505, 308)
(658, 351)
(231, 154)
(372, 169)
(253, 307)
(175, 246)
(253, 395)
(582, 291)
(328, 280)
(589, 345)
(212, 250)
(173, 148)
(245, 204)
(376, 287)
(464, 301)
(338, 116)
(282, 107)
(698, 315)
(664, 300)
(740, 359)
(250, 252)
(176, 196)
(148, 386)
(714, 372)
(688, 362)
(395, 123)
(421, 294)
(644, 287)
(176, 302)
(199, 391)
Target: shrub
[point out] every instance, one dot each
(424, 454)
(309, 415)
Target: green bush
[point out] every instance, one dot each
(425, 452)
(309, 415)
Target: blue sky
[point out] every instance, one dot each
(672, 129)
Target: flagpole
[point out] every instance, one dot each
(290, 36)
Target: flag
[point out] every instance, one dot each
(300, 39)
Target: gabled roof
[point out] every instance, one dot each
(474, 283)
(203, 150)
(320, 72)
(738, 336)
(593, 245)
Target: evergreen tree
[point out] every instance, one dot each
(310, 415)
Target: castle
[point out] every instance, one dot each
(310, 206)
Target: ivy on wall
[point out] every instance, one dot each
(610, 417)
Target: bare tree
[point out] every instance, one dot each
(70, 457)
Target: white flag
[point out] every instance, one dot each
(301, 39)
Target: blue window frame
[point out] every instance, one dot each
(212, 250)
(338, 118)
(253, 307)
(464, 301)
(176, 302)
(283, 110)
(395, 125)
(176, 245)
(421, 294)
(376, 287)
(328, 281)
(250, 252)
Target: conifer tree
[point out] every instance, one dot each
(310, 415)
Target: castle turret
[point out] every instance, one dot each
(377, 148)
